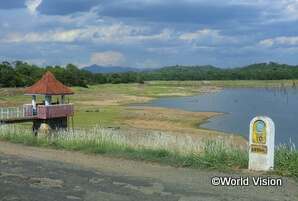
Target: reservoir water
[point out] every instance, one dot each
(241, 105)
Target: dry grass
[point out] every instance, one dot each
(155, 147)
(151, 140)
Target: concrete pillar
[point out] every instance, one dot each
(63, 99)
(33, 104)
(48, 100)
(261, 144)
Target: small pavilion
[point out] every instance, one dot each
(50, 115)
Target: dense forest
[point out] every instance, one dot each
(262, 71)
(20, 74)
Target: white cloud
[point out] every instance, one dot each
(279, 10)
(291, 41)
(58, 35)
(32, 5)
(287, 40)
(162, 50)
(115, 33)
(165, 34)
(67, 36)
(289, 9)
(112, 33)
(109, 58)
(124, 34)
(189, 36)
(207, 36)
(266, 43)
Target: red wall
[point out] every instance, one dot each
(28, 110)
(55, 111)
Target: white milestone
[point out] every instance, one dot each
(261, 144)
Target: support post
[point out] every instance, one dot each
(261, 144)
(48, 100)
(63, 99)
(33, 105)
(18, 112)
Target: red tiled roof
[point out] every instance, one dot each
(48, 85)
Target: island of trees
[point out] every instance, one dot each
(21, 74)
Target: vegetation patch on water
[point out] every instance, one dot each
(160, 147)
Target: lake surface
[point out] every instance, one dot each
(241, 105)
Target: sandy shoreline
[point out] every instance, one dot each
(178, 123)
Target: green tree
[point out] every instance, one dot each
(100, 78)
(7, 76)
(88, 77)
(17, 63)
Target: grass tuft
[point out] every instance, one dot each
(286, 160)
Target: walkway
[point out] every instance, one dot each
(15, 114)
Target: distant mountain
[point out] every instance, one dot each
(116, 69)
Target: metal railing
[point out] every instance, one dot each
(12, 112)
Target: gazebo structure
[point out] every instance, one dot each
(50, 115)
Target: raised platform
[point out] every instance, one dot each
(25, 113)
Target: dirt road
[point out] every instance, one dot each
(29, 173)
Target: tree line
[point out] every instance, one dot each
(260, 71)
(21, 74)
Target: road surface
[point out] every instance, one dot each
(30, 173)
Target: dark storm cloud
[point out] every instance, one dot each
(12, 4)
(183, 13)
(65, 7)
(172, 12)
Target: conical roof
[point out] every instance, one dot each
(48, 85)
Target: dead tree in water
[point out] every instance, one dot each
(266, 85)
(283, 90)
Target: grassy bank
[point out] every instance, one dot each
(160, 148)
(227, 83)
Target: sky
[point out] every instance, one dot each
(149, 33)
